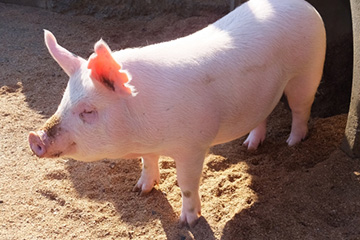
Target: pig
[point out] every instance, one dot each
(179, 98)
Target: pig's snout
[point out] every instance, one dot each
(37, 142)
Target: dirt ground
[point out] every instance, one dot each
(311, 191)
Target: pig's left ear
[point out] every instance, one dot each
(105, 70)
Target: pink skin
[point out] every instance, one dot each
(53, 140)
(181, 97)
(44, 146)
(39, 143)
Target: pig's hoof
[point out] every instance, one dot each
(145, 186)
(296, 138)
(256, 136)
(139, 191)
(252, 142)
(189, 219)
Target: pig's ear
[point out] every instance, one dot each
(69, 62)
(105, 70)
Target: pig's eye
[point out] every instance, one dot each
(88, 116)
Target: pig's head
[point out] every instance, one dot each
(86, 124)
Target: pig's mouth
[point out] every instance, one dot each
(56, 155)
(66, 151)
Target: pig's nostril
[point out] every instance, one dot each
(39, 148)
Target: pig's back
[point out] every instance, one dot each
(253, 36)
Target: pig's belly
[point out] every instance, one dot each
(232, 132)
(238, 125)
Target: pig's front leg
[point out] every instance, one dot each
(150, 175)
(189, 168)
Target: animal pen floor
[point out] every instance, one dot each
(311, 191)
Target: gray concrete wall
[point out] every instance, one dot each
(125, 8)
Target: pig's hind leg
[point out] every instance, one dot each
(300, 92)
(256, 136)
(150, 174)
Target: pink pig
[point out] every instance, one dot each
(179, 98)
